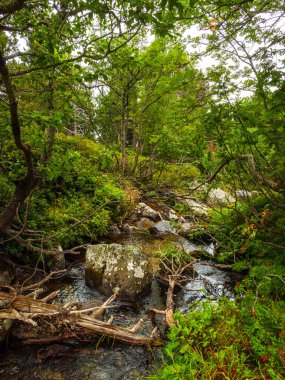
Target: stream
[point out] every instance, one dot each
(103, 360)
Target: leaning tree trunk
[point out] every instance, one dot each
(26, 185)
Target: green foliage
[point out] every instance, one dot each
(6, 189)
(76, 199)
(178, 176)
(227, 340)
(172, 253)
(251, 236)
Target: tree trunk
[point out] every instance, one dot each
(26, 185)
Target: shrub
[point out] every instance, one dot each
(76, 200)
(227, 341)
(176, 175)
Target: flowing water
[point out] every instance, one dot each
(108, 360)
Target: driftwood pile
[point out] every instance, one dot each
(65, 323)
(53, 323)
(50, 323)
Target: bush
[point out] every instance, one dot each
(176, 175)
(76, 200)
(227, 341)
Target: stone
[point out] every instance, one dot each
(163, 227)
(243, 194)
(128, 229)
(207, 282)
(143, 210)
(196, 207)
(186, 228)
(181, 219)
(219, 197)
(118, 268)
(172, 215)
(114, 231)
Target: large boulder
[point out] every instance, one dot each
(118, 268)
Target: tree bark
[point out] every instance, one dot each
(25, 185)
(24, 309)
(261, 180)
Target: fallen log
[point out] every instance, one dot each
(65, 322)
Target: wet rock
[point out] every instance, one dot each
(216, 281)
(163, 227)
(187, 246)
(219, 197)
(194, 291)
(145, 211)
(116, 267)
(210, 249)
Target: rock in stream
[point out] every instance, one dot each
(120, 268)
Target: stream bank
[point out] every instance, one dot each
(108, 360)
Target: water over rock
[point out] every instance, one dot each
(208, 283)
(121, 268)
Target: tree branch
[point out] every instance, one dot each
(261, 180)
(12, 6)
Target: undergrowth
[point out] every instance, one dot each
(228, 340)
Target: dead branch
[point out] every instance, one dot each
(51, 296)
(51, 275)
(174, 272)
(169, 312)
(96, 310)
(137, 326)
(104, 306)
(77, 326)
